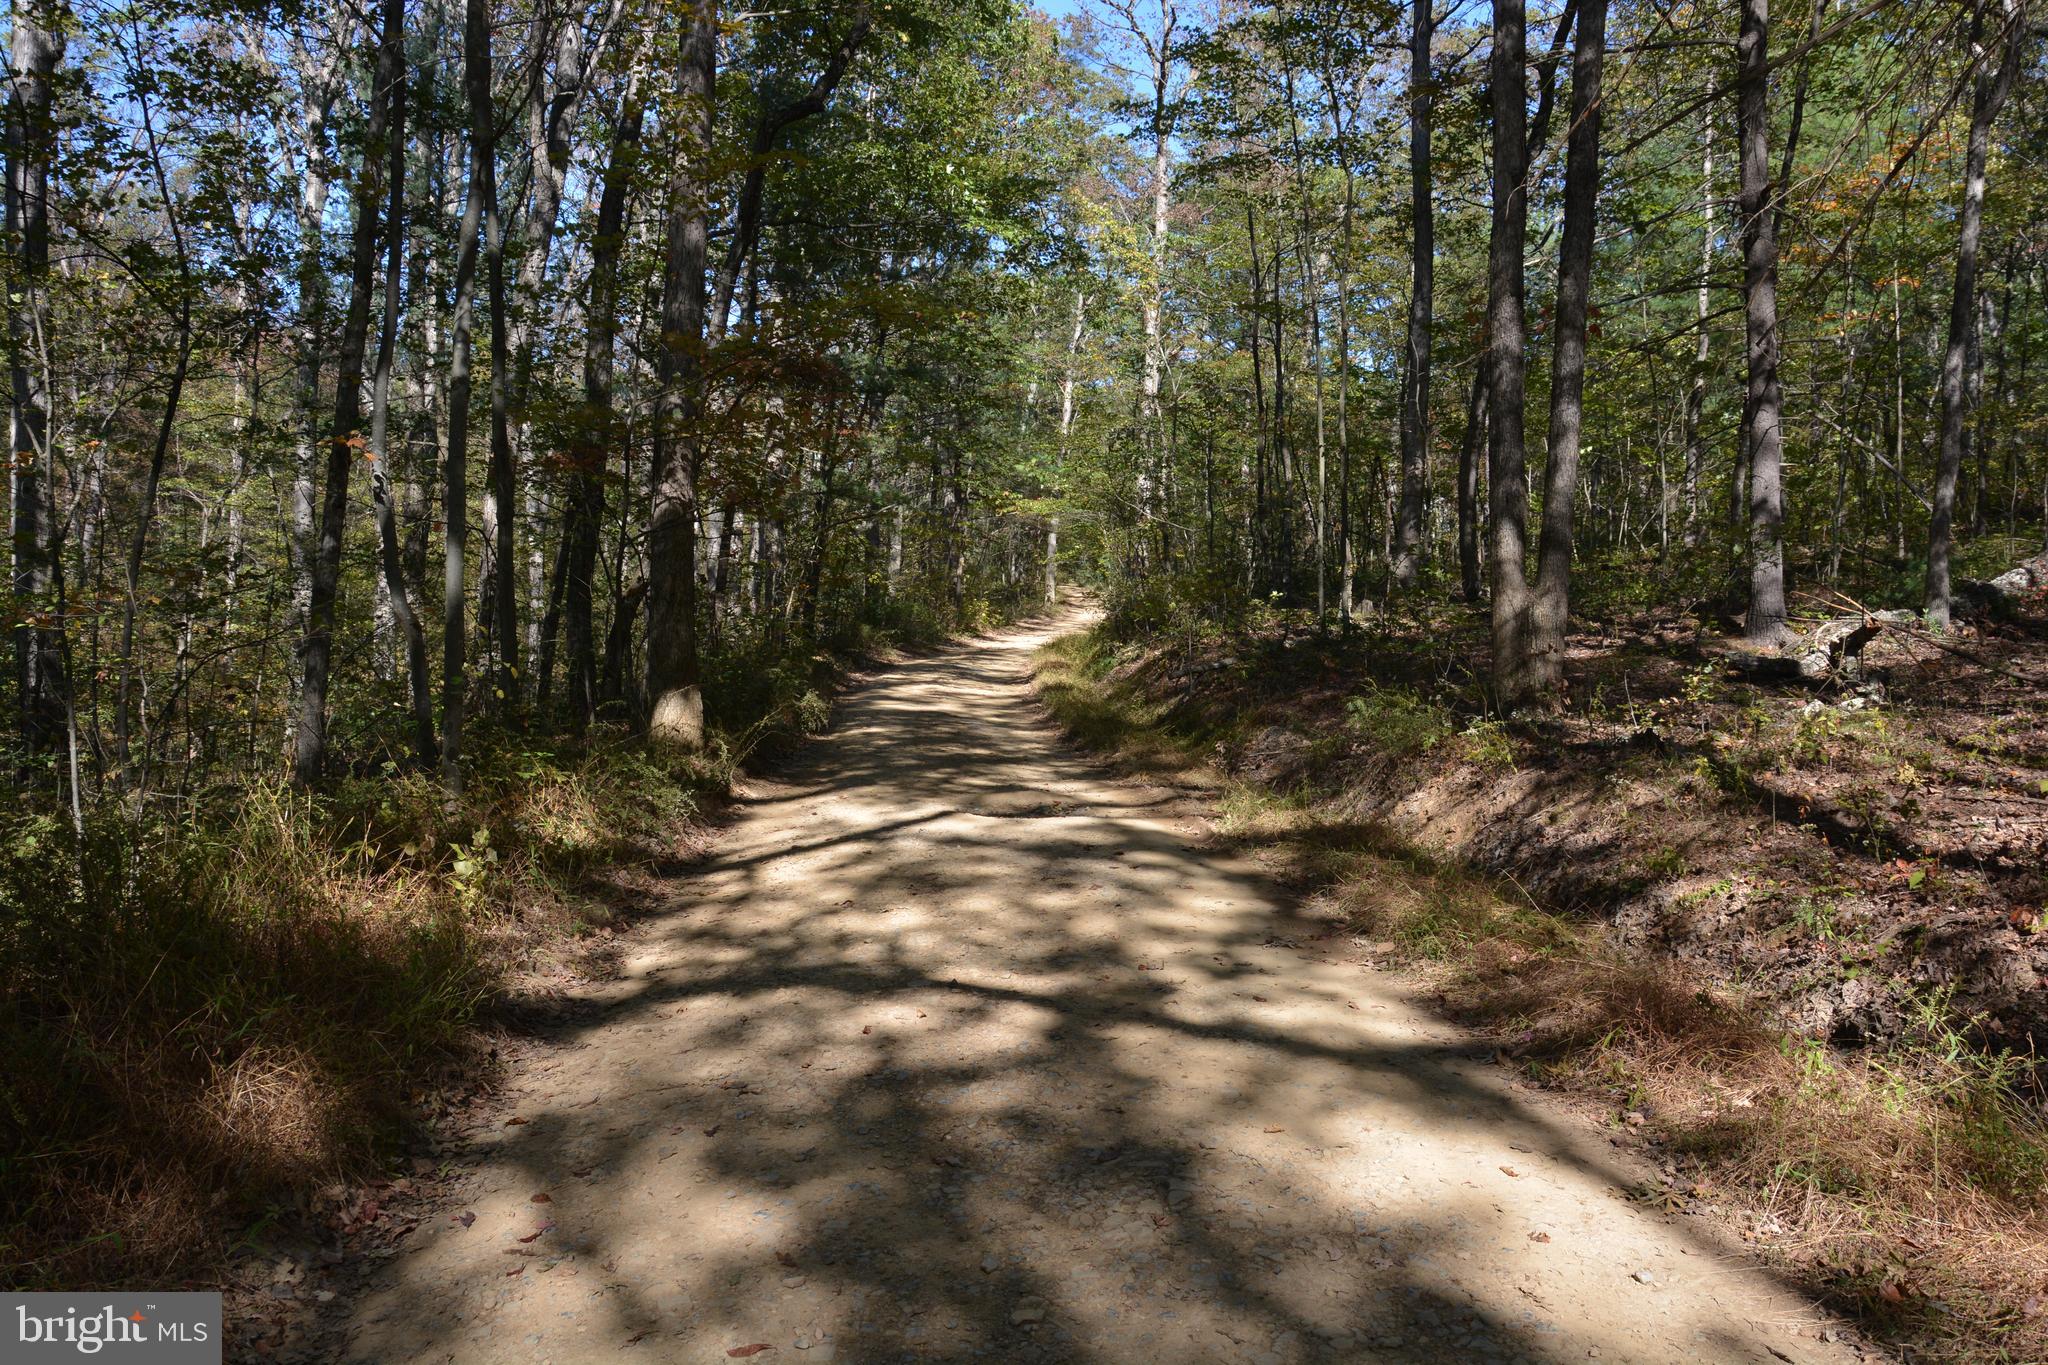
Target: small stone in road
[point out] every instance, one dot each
(1645, 1277)
(792, 1281)
(1025, 1316)
(989, 1263)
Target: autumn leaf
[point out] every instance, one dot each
(543, 1198)
(739, 1352)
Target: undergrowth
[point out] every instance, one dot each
(207, 1017)
(1908, 1186)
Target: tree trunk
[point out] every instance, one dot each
(1764, 402)
(1469, 450)
(396, 590)
(1052, 525)
(1151, 437)
(1421, 303)
(1505, 310)
(600, 425)
(1992, 86)
(311, 750)
(497, 604)
(40, 685)
(1539, 673)
(1696, 392)
(675, 704)
(455, 469)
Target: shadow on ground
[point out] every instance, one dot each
(959, 1050)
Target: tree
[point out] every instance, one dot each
(1538, 673)
(380, 451)
(675, 702)
(1763, 415)
(1421, 301)
(1990, 87)
(40, 686)
(1505, 361)
(345, 435)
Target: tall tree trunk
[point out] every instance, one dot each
(1539, 673)
(1505, 310)
(166, 428)
(599, 426)
(455, 467)
(1696, 391)
(1421, 302)
(397, 592)
(1764, 403)
(311, 749)
(1151, 436)
(40, 685)
(1992, 86)
(1470, 449)
(675, 704)
(1052, 524)
(319, 86)
(497, 603)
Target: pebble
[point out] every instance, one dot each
(1645, 1277)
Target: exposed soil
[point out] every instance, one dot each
(957, 1048)
(1836, 851)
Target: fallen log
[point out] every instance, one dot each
(1830, 652)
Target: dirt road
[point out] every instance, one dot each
(961, 1049)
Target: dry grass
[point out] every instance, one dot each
(1908, 1188)
(206, 1022)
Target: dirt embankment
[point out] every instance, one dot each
(1837, 854)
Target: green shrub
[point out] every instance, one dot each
(1396, 721)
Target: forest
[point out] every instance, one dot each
(1590, 452)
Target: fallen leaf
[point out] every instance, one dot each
(1509, 1170)
(712, 1131)
(543, 1198)
(467, 1220)
(515, 1270)
(1539, 1236)
(1275, 1129)
(1261, 999)
(537, 1233)
(785, 1258)
(514, 1121)
(753, 1350)
(864, 1028)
